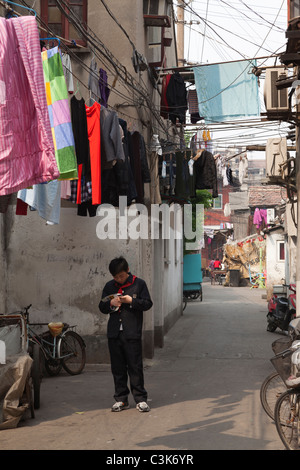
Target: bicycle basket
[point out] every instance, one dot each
(281, 344)
(286, 367)
(55, 328)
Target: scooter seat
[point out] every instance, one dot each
(282, 301)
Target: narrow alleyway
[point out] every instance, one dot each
(203, 389)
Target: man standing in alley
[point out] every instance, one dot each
(125, 298)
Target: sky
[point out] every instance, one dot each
(226, 30)
(234, 29)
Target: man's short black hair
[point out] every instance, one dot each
(118, 265)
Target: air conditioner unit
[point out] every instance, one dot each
(156, 7)
(293, 9)
(276, 101)
(157, 13)
(276, 154)
(270, 216)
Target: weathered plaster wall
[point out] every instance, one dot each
(62, 269)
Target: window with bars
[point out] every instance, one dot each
(58, 23)
(218, 202)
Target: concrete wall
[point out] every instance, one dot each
(62, 269)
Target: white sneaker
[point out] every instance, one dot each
(143, 406)
(119, 406)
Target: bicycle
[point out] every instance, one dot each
(286, 412)
(270, 390)
(287, 420)
(61, 345)
(273, 385)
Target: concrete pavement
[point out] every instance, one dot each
(203, 389)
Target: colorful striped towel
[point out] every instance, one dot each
(59, 114)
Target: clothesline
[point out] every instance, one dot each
(190, 67)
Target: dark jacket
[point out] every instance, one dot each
(176, 95)
(205, 171)
(130, 315)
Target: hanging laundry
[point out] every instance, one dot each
(94, 135)
(114, 167)
(257, 218)
(79, 125)
(260, 218)
(227, 91)
(65, 189)
(59, 113)
(139, 164)
(129, 184)
(263, 213)
(21, 207)
(82, 146)
(44, 198)
(243, 168)
(193, 106)
(229, 176)
(111, 148)
(103, 87)
(4, 203)
(93, 82)
(206, 172)
(224, 176)
(164, 109)
(227, 210)
(86, 208)
(155, 151)
(185, 183)
(26, 146)
(177, 98)
(67, 66)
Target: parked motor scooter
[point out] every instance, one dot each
(281, 309)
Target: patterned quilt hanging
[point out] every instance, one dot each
(59, 114)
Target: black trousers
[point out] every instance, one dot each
(127, 360)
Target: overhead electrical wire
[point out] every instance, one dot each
(136, 102)
(209, 23)
(90, 36)
(249, 18)
(256, 13)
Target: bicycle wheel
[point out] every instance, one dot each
(270, 390)
(52, 366)
(286, 417)
(36, 374)
(71, 350)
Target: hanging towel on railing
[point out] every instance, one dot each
(227, 91)
(26, 145)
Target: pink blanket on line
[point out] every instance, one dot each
(26, 146)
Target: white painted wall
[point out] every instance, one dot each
(276, 269)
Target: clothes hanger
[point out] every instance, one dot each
(21, 6)
(49, 39)
(198, 154)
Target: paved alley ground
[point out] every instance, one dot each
(203, 389)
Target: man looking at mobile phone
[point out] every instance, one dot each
(124, 332)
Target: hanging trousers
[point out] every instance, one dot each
(126, 360)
